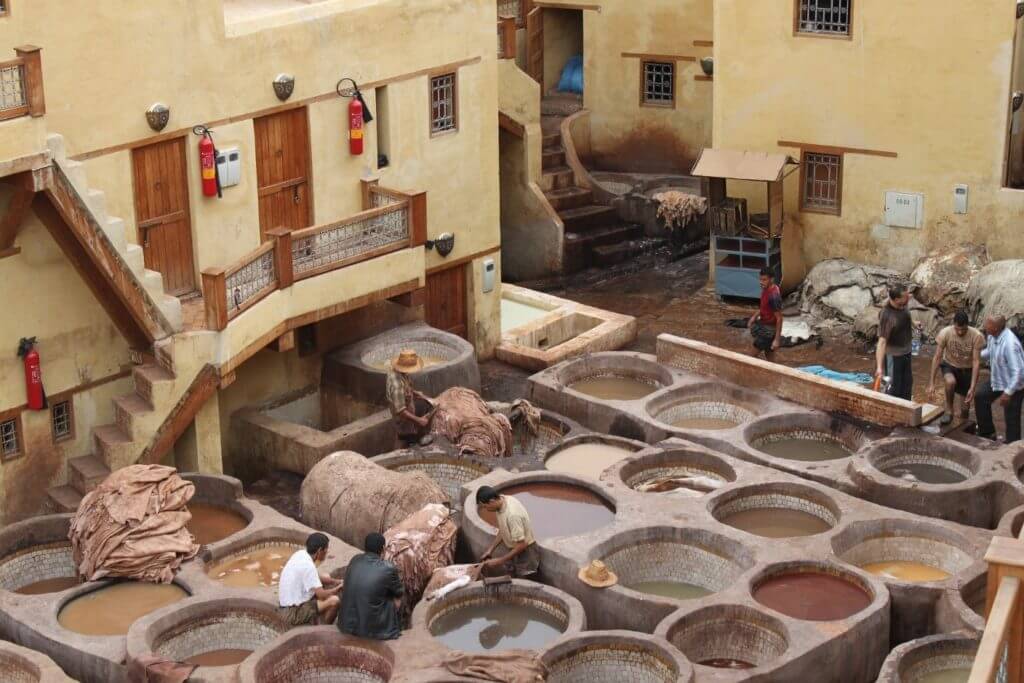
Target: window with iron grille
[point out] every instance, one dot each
(10, 438)
(659, 84)
(62, 420)
(443, 115)
(511, 8)
(828, 17)
(822, 182)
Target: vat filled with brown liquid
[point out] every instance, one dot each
(777, 522)
(260, 566)
(804, 450)
(676, 590)
(110, 611)
(211, 523)
(493, 625)
(901, 570)
(924, 473)
(558, 509)
(614, 387)
(61, 583)
(812, 596)
(226, 657)
(587, 459)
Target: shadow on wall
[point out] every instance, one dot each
(645, 149)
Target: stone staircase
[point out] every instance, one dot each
(588, 225)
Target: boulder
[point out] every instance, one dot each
(837, 288)
(998, 289)
(941, 278)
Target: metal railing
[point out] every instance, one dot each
(366, 235)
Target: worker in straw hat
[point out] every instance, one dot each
(597, 575)
(411, 427)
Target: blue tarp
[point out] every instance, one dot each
(572, 76)
(822, 371)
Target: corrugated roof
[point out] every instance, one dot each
(735, 165)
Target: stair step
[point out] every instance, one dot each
(112, 444)
(570, 198)
(153, 383)
(153, 282)
(171, 308)
(87, 472)
(97, 201)
(587, 218)
(552, 158)
(578, 248)
(55, 143)
(135, 257)
(557, 178)
(613, 254)
(114, 227)
(552, 140)
(63, 499)
(128, 411)
(165, 355)
(75, 171)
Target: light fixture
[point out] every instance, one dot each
(1020, 8)
(708, 64)
(1018, 99)
(444, 243)
(157, 116)
(284, 85)
(354, 92)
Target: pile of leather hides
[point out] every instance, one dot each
(677, 208)
(512, 666)
(444, 578)
(467, 421)
(418, 545)
(133, 526)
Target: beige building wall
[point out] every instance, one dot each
(925, 80)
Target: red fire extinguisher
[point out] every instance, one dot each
(208, 162)
(358, 115)
(36, 396)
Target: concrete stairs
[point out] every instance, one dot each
(588, 225)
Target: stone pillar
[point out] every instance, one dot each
(199, 448)
(484, 310)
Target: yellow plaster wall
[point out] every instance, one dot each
(920, 78)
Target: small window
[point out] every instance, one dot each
(825, 17)
(10, 438)
(5, 7)
(443, 115)
(659, 83)
(63, 420)
(822, 183)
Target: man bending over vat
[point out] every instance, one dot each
(373, 595)
(307, 597)
(412, 428)
(514, 551)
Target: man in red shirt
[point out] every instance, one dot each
(766, 325)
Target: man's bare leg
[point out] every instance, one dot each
(328, 609)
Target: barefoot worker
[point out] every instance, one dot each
(514, 551)
(958, 360)
(305, 596)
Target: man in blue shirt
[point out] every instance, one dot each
(1006, 385)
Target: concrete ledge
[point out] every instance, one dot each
(788, 383)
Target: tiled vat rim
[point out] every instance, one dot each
(807, 435)
(889, 453)
(787, 500)
(666, 559)
(423, 347)
(730, 632)
(702, 408)
(321, 663)
(610, 657)
(940, 662)
(503, 594)
(912, 660)
(36, 563)
(226, 629)
(652, 473)
(21, 665)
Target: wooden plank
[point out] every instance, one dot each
(181, 416)
(31, 57)
(215, 299)
(10, 223)
(659, 57)
(282, 240)
(512, 126)
(836, 150)
(284, 343)
(535, 45)
(446, 305)
(997, 630)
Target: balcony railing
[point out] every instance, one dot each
(1000, 656)
(517, 9)
(21, 84)
(391, 220)
(506, 38)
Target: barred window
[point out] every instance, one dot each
(62, 420)
(659, 84)
(443, 115)
(822, 182)
(829, 17)
(510, 8)
(10, 438)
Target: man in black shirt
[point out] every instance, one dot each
(895, 342)
(371, 595)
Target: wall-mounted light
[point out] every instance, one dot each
(353, 91)
(1020, 8)
(1018, 99)
(708, 64)
(444, 243)
(157, 116)
(284, 86)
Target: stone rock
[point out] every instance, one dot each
(837, 288)
(998, 289)
(941, 278)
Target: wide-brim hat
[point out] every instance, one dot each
(597, 575)
(408, 361)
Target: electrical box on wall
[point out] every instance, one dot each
(904, 209)
(229, 166)
(489, 273)
(960, 199)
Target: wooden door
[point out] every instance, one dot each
(535, 45)
(282, 170)
(162, 213)
(446, 301)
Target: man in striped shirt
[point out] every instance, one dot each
(1006, 385)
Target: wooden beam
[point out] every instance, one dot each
(181, 416)
(511, 125)
(284, 343)
(10, 222)
(838, 151)
(659, 58)
(417, 297)
(33, 62)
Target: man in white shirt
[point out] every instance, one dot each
(305, 596)
(1006, 385)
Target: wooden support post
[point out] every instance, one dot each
(283, 256)
(215, 297)
(33, 62)
(10, 222)
(417, 219)
(365, 187)
(416, 297)
(286, 342)
(507, 29)
(1005, 557)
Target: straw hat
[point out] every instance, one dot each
(598, 575)
(407, 362)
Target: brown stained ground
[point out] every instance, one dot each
(280, 491)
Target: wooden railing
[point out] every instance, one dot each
(506, 38)
(517, 9)
(21, 84)
(1000, 653)
(391, 220)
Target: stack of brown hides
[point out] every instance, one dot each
(463, 418)
(418, 545)
(133, 526)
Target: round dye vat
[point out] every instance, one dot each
(614, 387)
(677, 590)
(57, 585)
(210, 523)
(727, 663)
(708, 423)
(255, 567)
(112, 610)
(911, 572)
(925, 474)
(812, 596)
(227, 657)
(804, 450)
(586, 459)
(489, 626)
(558, 509)
(777, 522)
(945, 676)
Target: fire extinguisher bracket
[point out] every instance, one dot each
(358, 114)
(209, 173)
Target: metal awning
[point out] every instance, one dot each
(734, 165)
